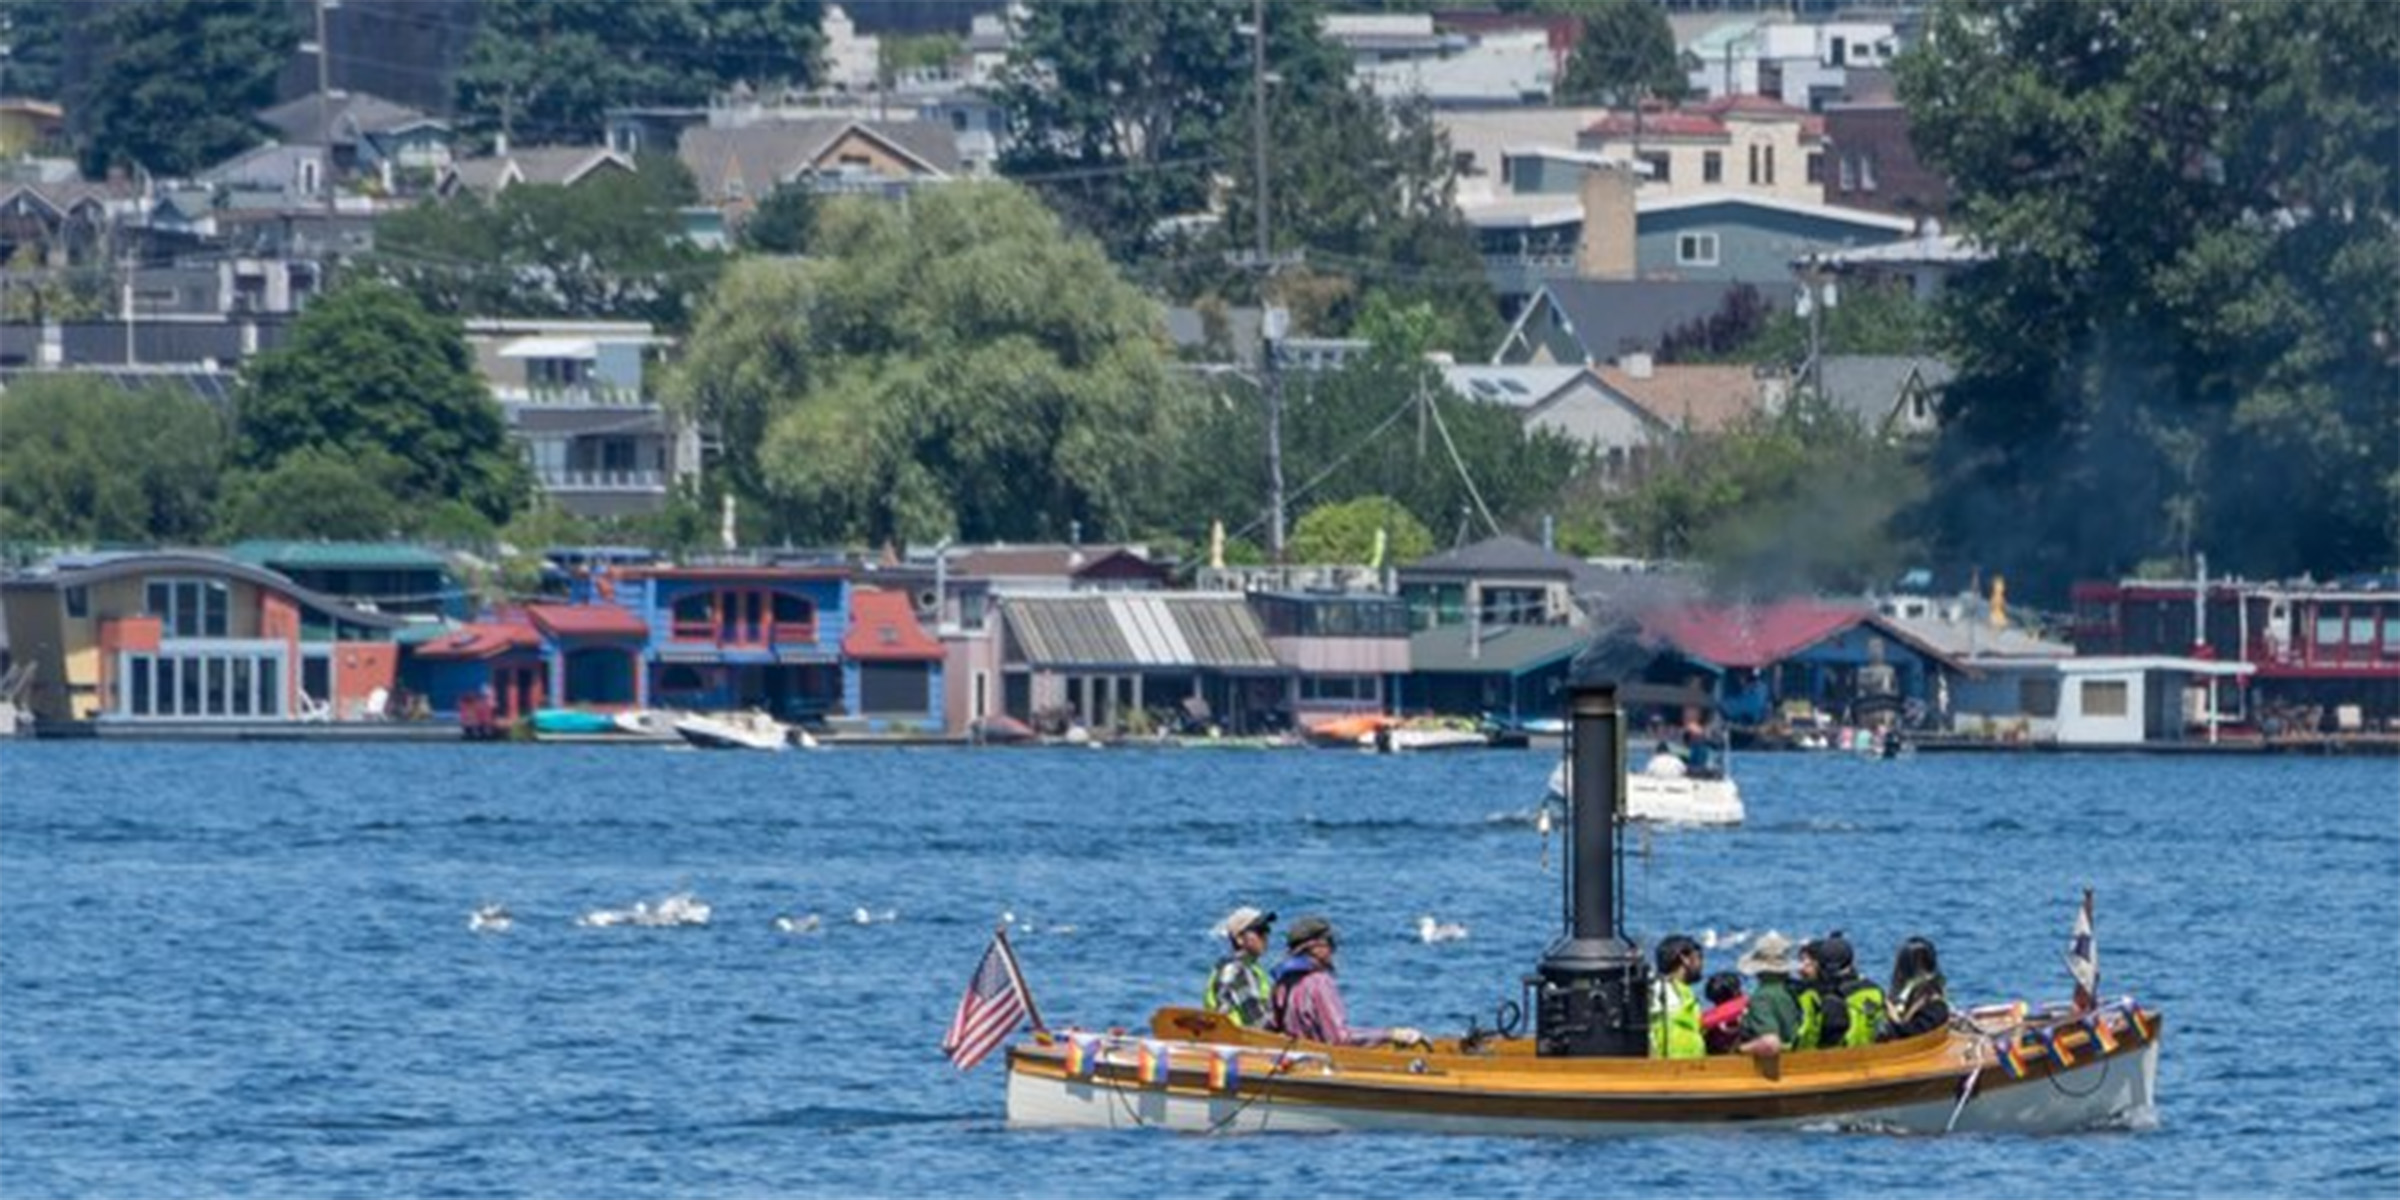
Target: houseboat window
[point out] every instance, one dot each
(695, 615)
(681, 677)
(2038, 697)
(1337, 687)
(166, 687)
(79, 603)
(2329, 631)
(188, 691)
(270, 694)
(793, 610)
(2391, 635)
(241, 687)
(2104, 697)
(140, 688)
(214, 701)
(2362, 631)
(188, 607)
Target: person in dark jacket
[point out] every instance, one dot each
(1771, 1025)
(1918, 1003)
(1721, 1025)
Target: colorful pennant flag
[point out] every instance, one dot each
(1083, 1053)
(2102, 1034)
(1151, 1064)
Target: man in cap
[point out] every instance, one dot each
(1771, 1023)
(1307, 1003)
(1238, 986)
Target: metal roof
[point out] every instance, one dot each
(1138, 631)
(285, 555)
(1496, 650)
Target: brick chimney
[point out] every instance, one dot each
(1605, 247)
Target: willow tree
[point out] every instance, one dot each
(955, 366)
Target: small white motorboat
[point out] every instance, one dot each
(1669, 796)
(750, 730)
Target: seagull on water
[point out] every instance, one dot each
(1431, 932)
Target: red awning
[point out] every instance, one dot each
(587, 621)
(883, 628)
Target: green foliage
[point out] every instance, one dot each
(2184, 341)
(609, 247)
(546, 71)
(1865, 319)
(1803, 501)
(783, 223)
(1345, 533)
(35, 33)
(367, 371)
(174, 82)
(316, 492)
(1626, 55)
(955, 366)
(84, 461)
(1127, 115)
(902, 53)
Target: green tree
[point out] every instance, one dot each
(174, 83)
(2193, 293)
(1864, 319)
(1117, 111)
(34, 32)
(367, 371)
(1346, 533)
(316, 492)
(609, 247)
(1732, 501)
(958, 366)
(82, 460)
(1626, 55)
(783, 222)
(548, 70)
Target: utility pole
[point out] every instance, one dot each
(1269, 333)
(324, 117)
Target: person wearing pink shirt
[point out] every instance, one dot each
(1306, 1001)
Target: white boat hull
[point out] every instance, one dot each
(709, 733)
(2111, 1092)
(1671, 800)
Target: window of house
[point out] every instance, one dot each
(695, 615)
(2362, 630)
(79, 603)
(794, 617)
(1770, 159)
(1712, 166)
(2329, 630)
(2104, 697)
(1816, 168)
(1866, 173)
(1661, 166)
(2391, 635)
(188, 607)
(1696, 250)
(1849, 173)
(1839, 51)
(1754, 165)
(2037, 697)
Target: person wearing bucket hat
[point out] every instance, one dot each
(1306, 1002)
(1772, 1021)
(1238, 986)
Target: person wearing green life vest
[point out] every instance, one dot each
(1771, 1024)
(1674, 1011)
(1838, 1009)
(1238, 987)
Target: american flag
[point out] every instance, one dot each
(996, 1001)
(2083, 958)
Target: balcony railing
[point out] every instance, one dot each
(572, 395)
(565, 480)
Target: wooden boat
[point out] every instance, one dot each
(2057, 1075)
(1585, 1068)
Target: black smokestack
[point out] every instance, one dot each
(1593, 998)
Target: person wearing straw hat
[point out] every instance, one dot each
(1772, 1021)
(1238, 986)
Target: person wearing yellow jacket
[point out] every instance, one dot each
(1674, 1011)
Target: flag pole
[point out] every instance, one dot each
(1008, 955)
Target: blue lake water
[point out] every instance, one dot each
(247, 969)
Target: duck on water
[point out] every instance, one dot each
(1584, 1067)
